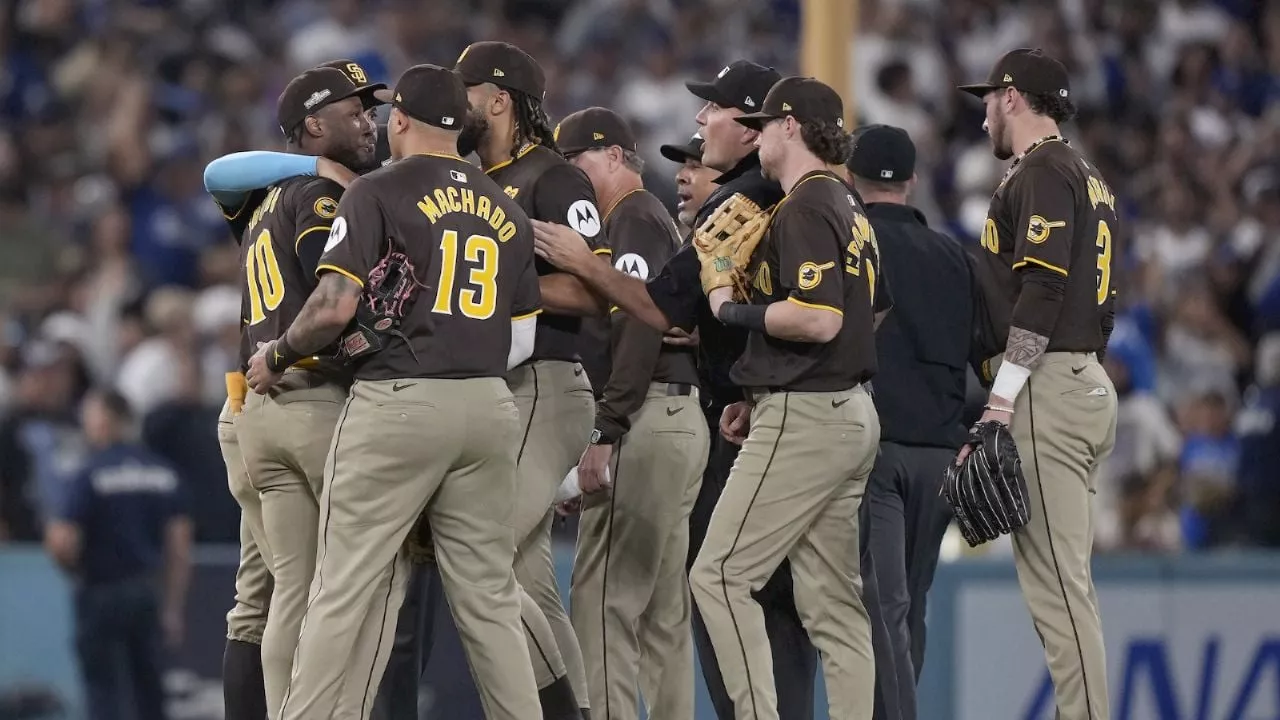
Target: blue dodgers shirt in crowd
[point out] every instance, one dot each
(122, 502)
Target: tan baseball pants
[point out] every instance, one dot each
(247, 619)
(284, 438)
(400, 446)
(557, 410)
(1064, 423)
(630, 595)
(548, 666)
(794, 492)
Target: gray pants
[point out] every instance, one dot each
(906, 519)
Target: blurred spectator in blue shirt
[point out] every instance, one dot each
(123, 534)
(1210, 457)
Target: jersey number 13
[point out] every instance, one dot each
(477, 297)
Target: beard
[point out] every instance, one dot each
(1000, 145)
(475, 126)
(353, 157)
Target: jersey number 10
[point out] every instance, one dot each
(478, 296)
(262, 275)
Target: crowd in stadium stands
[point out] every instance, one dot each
(115, 268)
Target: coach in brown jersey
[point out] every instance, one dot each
(284, 436)
(429, 422)
(630, 596)
(508, 129)
(1048, 242)
(809, 431)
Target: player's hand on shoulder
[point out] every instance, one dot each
(560, 245)
(735, 421)
(335, 171)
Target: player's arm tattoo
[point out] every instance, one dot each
(331, 306)
(1025, 348)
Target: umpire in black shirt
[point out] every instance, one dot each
(922, 351)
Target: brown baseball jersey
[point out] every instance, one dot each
(470, 248)
(642, 237)
(820, 252)
(548, 188)
(1053, 213)
(279, 250)
(237, 218)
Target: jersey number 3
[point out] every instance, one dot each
(262, 274)
(1104, 261)
(478, 296)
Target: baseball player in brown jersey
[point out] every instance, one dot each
(284, 436)
(244, 696)
(630, 597)
(809, 431)
(332, 131)
(509, 131)
(1046, 274)
(445, 260)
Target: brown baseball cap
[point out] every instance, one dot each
(741, 84)
(1027, 70)
(803, 98)
(595, 127)
(310, 91)
(691, 150)
(502, 64)
(431, 94)
(355, 72)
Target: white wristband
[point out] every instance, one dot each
(1009, 380)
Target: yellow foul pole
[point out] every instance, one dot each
(827, 31)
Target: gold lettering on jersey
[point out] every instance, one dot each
(990, 237)
(511, 192)
(1100, 194)
(429, 209)
(267, 206)
(862, 234)
(763, 280)
(443, 201)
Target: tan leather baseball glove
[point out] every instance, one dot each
(726, 241)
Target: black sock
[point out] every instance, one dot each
(243, 694)
(558, 701)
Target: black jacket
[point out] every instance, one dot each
(922, 346)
